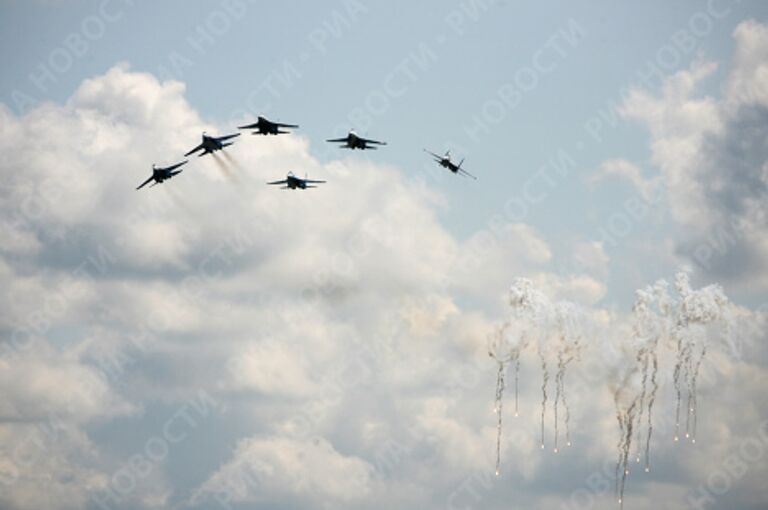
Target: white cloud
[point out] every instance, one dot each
(324, 322)
(215, 281)
(623, 169)
(591, 258)
(279, 470)
(712, 160)
(748, 81)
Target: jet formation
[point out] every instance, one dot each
(293, 182)
(263, 126)
(211, 144)
(445, 162)
(354, 141)
(161, 174)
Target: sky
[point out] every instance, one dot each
(213, 342)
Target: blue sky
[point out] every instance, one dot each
(329, 347)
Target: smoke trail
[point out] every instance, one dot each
(225, 171)
(179, 200)
(545, 380)
(688, 381)
(236, 163)
(496, 348)
(694, 406)
(567, 416)
(498, 410)
(626, 420)
(557, 395)
(228, 156)
(517, 379)
(620, 419)
(562, 363)
(567, 411)
(651, 400)
(676, 381)
(642, 358)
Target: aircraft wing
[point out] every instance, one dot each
(146, 182)
(338, 140)
(313, 182)
(177, 165)
(439, 158)
(284, 181)
(278, 124)
(255, 125)
(366, 140)
(227, 137)
(194, 150)
(464, 172)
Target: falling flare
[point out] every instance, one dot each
(517, 379)
(658, 319)
(498, 409)
(494, 350)
(651, 400)
(544, 381)
(626, 417)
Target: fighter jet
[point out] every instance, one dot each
(353, 141)
(293, 182)
(212, 144)
(161, 174)
(445, 162)
(265, 126)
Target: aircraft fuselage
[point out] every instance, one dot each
(211, 144)
(450, 165)
(294, 182)
(355, 142)
(267, 128)
(161, 175)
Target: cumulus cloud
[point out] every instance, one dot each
(281, 470)
(711, 153)
(340, 334)
(623, 169)
(122, 301)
